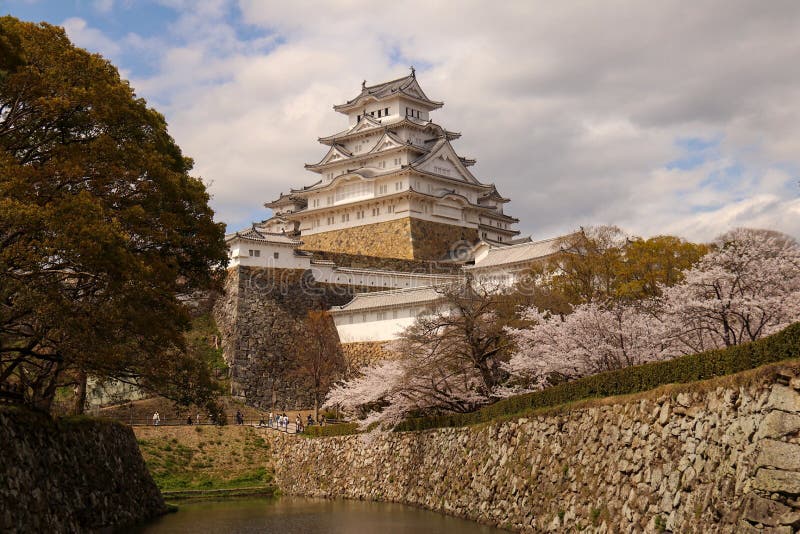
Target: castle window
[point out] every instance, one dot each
(276, 255)
(345, 217)
(383, 189)
(376, 212)
(358, 118)
(398, 186)
(254, 253)
(379, 113)
(397, 161)
(363, 317)
(329, 200)
(390, 209)
(380, 316)
(386, 112)
(394, 314)
(382, 164)
(330, 220)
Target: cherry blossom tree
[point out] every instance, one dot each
(592, 339)
(744, 289)
(448, 360)
(747, 287)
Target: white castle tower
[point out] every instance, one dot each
(391, 184)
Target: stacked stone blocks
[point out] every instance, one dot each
(713, 459)
(407, 238)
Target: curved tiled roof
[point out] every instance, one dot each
(388, 89)
(523, 252)
(391, 298)
(396, 122)
(254, 234)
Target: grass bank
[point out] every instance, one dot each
(206, 458)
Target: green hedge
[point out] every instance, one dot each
(783, 345)
(326, 431)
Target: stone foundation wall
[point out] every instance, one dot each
(722, 459)
(407, 239)
(259, 317)
(434, 240)
(362, 353)
(72, 476)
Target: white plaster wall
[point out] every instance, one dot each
(239, 254)
(367, 278)
(371, 330)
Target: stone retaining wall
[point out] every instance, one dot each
(76, 476)
(405, 239)
(724, 459)
(362, 353)
(260, 317)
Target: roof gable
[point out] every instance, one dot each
(335, 154)
(443, 157)
(386, 142)
(407, 85)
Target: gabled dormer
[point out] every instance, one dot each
(387, 141)
(336, 154)
(442, 160)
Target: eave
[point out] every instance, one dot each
(362, 100)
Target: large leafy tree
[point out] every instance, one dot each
(602, 265)
(103, 231)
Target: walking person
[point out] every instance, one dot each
(156, 419)
(271, 419)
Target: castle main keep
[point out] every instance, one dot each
(393, 212)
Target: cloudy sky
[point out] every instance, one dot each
(660, 117)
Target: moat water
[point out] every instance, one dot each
(298, 515)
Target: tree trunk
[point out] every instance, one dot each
(80, 394)
(316, 406)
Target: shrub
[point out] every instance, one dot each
(778, 347)
(341, 429)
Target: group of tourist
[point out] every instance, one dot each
(277, 421)
(189, 420)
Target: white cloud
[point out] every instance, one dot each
(103, 6)
(572, 109)
(90, 38)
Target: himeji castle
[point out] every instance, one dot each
(391, 203)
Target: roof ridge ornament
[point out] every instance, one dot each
(363, 84)
(413, 72)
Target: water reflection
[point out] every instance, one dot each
(308, 516)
